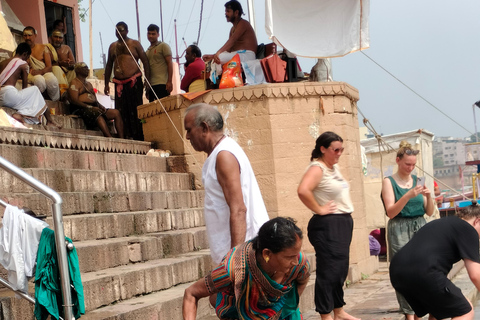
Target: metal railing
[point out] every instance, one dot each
(59, 234)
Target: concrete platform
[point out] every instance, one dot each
(374, 298)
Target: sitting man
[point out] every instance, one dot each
(41, 66)
(63, 61)
(193, 81)
(85, 103)
(242, 38)
(28, 102)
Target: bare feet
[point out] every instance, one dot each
(53, 124)
(18, 117)
(340, 314)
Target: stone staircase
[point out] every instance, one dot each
(136, 221)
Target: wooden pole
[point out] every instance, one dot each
(161, 19)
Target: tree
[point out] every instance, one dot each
(82, 12)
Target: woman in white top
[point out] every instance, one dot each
(324, 191)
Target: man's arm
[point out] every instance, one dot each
(108, 69)
(144, 58)
(228, 175)
(70, 62)
(187, 78)
(47, 60)
(169, 85)
(473, 270)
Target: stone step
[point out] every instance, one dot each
(42, 157)
(109, 286)
(95, 255)
(68, 180)
(61, 140)
(167, 304)
(99, 202)
(96, 226)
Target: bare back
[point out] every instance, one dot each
(124, 65)
(246, 40)
(20, 73)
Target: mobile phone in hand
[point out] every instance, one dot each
(421, 181)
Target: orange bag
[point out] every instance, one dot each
(232, 74)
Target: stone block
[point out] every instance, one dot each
(134, 252)
(159, 278)
(100, 292)
(117, 181)
(131, 284)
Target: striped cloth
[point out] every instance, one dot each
(246, 292)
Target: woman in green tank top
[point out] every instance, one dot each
(405, 204)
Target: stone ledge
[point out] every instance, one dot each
(252, 93)
(61, 140)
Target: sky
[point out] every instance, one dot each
(433, 47)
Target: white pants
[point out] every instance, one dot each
(47, 82)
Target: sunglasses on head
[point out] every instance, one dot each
(410, 152)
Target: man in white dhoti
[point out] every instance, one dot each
(241, 40)
(28, 102)
(41, 66)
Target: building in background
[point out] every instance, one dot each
(41, 14)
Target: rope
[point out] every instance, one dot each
(417, 94)
(189, 147)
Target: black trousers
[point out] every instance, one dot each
(331, 236)
(160, 90)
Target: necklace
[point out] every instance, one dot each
(407, 182)
(216, 144)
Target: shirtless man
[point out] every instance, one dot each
(41, 66)
(28, 102)
(62, 59)
(83, 99)
(127, 79)
(242, 38)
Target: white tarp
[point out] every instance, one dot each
(318, 28)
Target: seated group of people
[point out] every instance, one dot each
(53, 74)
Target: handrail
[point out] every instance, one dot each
(57, 226)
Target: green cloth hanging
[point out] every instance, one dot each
(48, 295)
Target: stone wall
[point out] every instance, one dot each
(277, 125)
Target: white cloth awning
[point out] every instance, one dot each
(318, 28)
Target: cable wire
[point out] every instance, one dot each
(417, 94)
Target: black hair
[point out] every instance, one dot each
(30, 28)
(153, 27)
(195, 50)
(208, 114)
(123, 24)
(23, 48)
(277, 235)
(235, 6)
(56, 23)
(324, 140)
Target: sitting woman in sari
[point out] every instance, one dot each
(260, 279)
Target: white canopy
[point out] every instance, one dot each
(318, 28)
